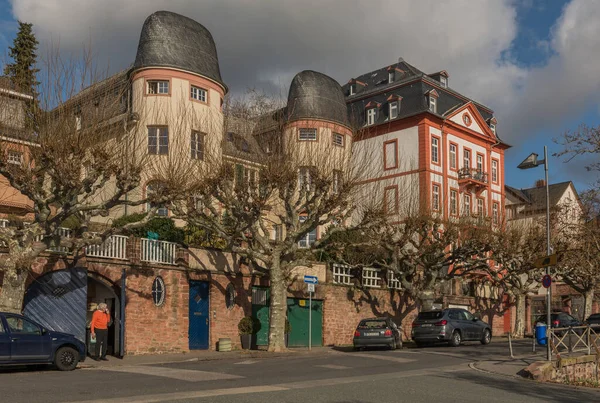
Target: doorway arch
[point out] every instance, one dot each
(100, 289)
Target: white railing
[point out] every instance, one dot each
(158, 251)
(115, 247)
(392, 281)
(371, 278)
(3, 223)
(342, 274)
(63, 233)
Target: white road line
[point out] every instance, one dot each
(383, 357)
(247, 362)
(172, 373)
(332, 366)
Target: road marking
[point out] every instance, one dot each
(247, 362)
(332, 366)
(172, 373)
(383, 357)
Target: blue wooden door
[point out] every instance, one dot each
(199, 315)
(58, 301)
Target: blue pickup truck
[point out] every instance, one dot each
(24, 342)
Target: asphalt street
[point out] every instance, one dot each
(411, 375)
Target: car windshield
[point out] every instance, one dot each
(372, 324)
(430, 315)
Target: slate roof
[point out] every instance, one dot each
(314, 95)
(173, 40)
(535, 197)
(409, 83)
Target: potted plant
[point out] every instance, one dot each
(288, 330)
(246, 328)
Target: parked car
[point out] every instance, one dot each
(593, 320)
(377, 332)
(450, 325)
(24, 342)
(559, 319)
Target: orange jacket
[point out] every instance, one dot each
(99, 321)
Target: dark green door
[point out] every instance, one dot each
(298, 310)
(260, 311)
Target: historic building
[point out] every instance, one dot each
(431, 147)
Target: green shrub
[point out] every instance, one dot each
(163, 226)
(248, 325)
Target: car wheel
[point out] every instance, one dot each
(455, 339)
(66, 358)
(487, 337)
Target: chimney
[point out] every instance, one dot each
(540, 183)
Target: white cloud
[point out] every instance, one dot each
(264, 44)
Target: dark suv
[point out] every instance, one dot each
(452, 325)
(560, 319)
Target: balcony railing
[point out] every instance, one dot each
(473, 174)
(63, 233)
(115, 247)
(158, 251)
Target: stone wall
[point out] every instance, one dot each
(571, 370)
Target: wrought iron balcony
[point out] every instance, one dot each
(471, 174)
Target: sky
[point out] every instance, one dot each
(534, 62)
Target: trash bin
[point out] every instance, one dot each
(540, 334)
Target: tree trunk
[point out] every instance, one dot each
(519, 330)
(425, 300)
(12, 292)
(278, 308)
(588, 302)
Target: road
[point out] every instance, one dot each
(410, 375)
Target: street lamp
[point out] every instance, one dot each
(532, 162)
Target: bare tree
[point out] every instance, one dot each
(78, 162)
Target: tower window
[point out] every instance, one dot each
(393, 110)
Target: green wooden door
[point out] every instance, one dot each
(260, 311)
(298, 316)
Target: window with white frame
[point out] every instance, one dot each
(435, 150)
(391, 76)
(467, 205)
(371, 115)
(250, 176)
(338, 139)
(277, 233)
(197, 145)
(309, 238)
(392, 281)
(197, 93)
(494, 171)
(352, 89)
(157, 87)
(393, 110)
(342, 274)
(443, 81)
(371, 277)
(495, 213)
(78, 121)
(435, 197)
(493, 128)
(432, 104)
(304, 178)
(158, 140)
(14, 157)
(479, 162)
(466, 158)
(453, 156)
(480, 208)
(453, 202)
(151, 189)
(305, 134)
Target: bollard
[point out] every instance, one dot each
(510, 345)
(533, 344)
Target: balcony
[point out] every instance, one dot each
(473, 179)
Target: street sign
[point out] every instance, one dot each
(311, 287)
(546, 281)
(311, 279)
(550, 260)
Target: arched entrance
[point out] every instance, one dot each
(63, 301)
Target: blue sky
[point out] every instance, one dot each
(532, 61)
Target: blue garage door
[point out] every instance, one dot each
(57, 300)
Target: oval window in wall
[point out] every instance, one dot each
(158, 291)
(230, 296)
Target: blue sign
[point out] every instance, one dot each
(546, 281)
(311, 279)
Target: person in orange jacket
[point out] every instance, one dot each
(99, 330)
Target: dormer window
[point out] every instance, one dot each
(432, 104)
(393, 110)
(391, 77)
(444, 81)
(371, 115)
(493, 128)
(352, 89)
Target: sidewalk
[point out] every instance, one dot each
(200, 355)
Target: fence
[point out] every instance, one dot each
(115, 247)
(158, 251)
(575, 339)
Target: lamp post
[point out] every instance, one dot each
(532, 162)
